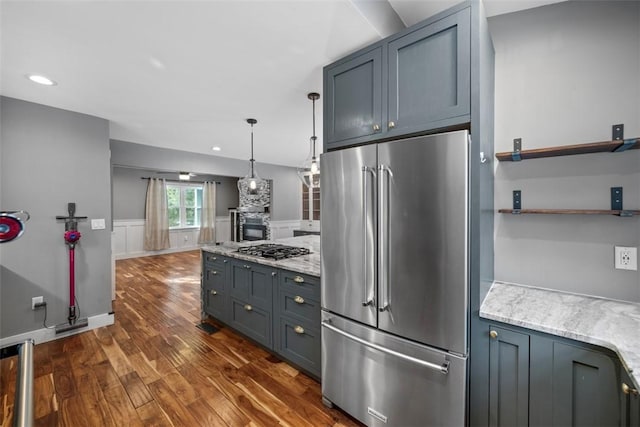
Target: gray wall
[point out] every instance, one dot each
(130, 191)
(564, 74)
(51, 157)
(286, 190)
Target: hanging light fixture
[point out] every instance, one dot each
(309, 171)
(252, 186)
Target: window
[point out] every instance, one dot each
(184, 204)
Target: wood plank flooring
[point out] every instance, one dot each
(153, 367)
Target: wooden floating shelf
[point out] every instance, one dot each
(568, 150)
(569, 212)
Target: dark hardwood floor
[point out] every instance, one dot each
(154, 367)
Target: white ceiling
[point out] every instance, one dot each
(186, 74)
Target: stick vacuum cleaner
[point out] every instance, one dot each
(71, 239)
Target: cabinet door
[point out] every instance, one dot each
(508, 378)
(430, 76)
(261, 285)
(630, 402)
(585, 388)
(239, 277)
(353, 99)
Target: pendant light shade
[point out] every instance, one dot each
(252, 186)
(309, 171)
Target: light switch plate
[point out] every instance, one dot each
(98, 224)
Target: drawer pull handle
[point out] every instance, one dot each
(629, 390)
(299, 299)
(298, 279)
(214, 272)
(376, 127)
(247, 266)
(274, 274)
(248, 307)
(225, 261)
(493, 334)
(214, 292)
(391, 125)
(299, 330)
(214, 258)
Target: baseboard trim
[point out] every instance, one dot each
(44, 334)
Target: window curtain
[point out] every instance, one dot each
(208, 219)
(156, 227)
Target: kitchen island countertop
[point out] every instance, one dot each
(305, 264)
(608, 323)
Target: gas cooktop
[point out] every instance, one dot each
(274, 251)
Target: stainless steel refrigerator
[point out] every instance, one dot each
(395, 282)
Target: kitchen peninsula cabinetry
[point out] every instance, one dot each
(415, 81)
(251, 299)
(537, 380)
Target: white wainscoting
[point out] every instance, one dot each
(128, 237)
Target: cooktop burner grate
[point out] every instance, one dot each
(274, 251)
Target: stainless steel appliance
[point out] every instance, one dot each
(253, 229)
(273, 251)
(395, 283)
(235, 225)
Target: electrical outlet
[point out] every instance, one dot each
(36, 300)
(626, 258)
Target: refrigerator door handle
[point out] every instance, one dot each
(443, 368)
(366, 301)
(383, 251)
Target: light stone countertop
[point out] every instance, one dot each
(306, 264)
(608, 323)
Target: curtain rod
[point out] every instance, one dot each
(185, 181)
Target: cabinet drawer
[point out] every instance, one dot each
(251, 321)
(300, 283)
(210, 258)
(214, 303)
(214, 276)
(299, 342)
(299, 307)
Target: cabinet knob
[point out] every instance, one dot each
(299, 299)
(225, 261)
(391, 124)
(629, 390)
(493, 334)
(299, 330)
(247, 266)
(376, 127)
(214, 292)
(214, 272)
(298, 279)
(214, 258)
(248, 307)
(274, 274)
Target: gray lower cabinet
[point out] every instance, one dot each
(298, 320)
(276, 308)
(412, 82)
(215, 270)
(585, 387)
(538, 380)
(251, 299)
(630, 402)
(508, 378)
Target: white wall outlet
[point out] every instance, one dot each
(626, 258)
(36, 300)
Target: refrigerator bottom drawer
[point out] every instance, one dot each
(383, 380)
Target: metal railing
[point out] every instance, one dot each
(23, 403)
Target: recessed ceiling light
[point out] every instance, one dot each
(216, 148)
(36, 78)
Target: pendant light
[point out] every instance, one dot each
(309, 171)
(252, 186)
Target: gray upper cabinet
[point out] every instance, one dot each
(410, 83)
(353, 104)
(430, 77)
